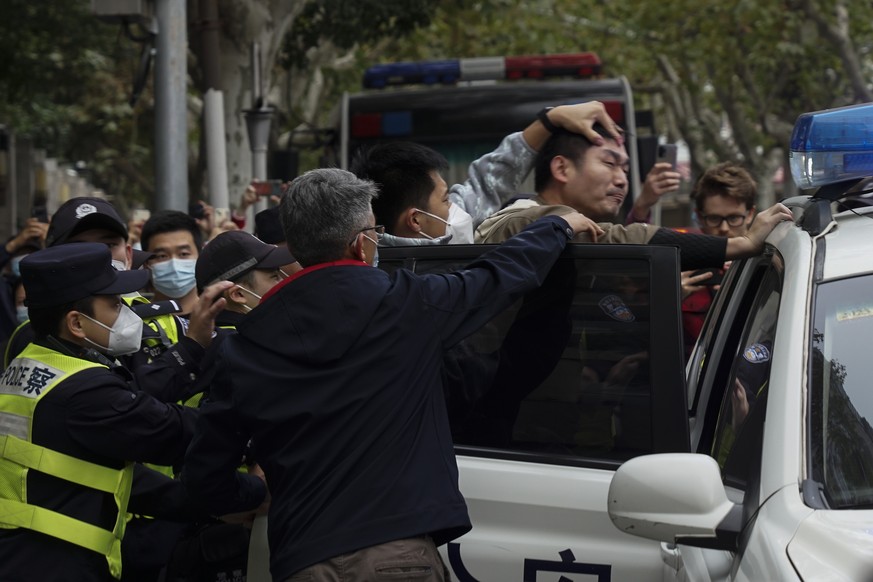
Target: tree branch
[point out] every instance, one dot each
(838, 35)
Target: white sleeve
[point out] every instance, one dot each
(494, 178)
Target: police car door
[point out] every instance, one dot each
(728, 382)
(549, 399)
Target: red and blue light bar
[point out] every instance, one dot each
(399, 123)
(449, 72)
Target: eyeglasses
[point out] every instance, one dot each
(379, 229)
(714, 220)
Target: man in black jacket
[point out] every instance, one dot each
(335, 379)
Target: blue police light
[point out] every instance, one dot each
(407, 73)
(832, 146)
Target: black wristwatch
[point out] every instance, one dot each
(543, 116)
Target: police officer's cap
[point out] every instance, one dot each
(67, 273)
(80, 214)
(139, 259)
(268, 228)
(234, 253)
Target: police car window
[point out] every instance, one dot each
(740, 420)
(714, 322)
(841, 401)
(564, 372)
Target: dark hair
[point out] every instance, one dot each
(46, 321)
(246, 279)
(170, 221)
(562, 143)
(401, 171)
(727, 179)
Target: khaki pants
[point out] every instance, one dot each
(412, 559)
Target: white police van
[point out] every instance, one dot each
(758, 467)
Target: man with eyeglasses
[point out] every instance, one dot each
(724, 199)
(336, 381)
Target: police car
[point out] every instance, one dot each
(588, 453)
(779, 483)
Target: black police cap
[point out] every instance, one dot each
(268, 228)
(67, 273)
(139, 259)
(234, 253)
(80, 214)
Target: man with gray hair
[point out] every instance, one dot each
(335, 380)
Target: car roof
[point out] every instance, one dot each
(849, 246)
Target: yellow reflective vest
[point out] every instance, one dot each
(29, 377)
(165, 325)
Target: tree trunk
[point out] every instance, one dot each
(839, 37)
(265, 22)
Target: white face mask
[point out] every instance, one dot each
(118, 265)
(459, 226)
(376, 252)
(125, 335)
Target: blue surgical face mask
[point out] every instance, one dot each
(21, 313)
(15, 265)
(174, 278)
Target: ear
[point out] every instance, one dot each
(235, 295)
(561, 168)
(358, 248)
(72, 323)
(128, 257)
(409, 219)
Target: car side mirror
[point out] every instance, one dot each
(675, 498)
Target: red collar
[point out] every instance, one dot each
(341, 263)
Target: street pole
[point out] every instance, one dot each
(258, 120)
(213, 108)
(171, 121)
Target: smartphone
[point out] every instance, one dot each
(716, 278)
(40, 213)
(196, 211)
(267, 187)
(141, 215)
(667, 153)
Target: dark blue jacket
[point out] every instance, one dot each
(336, 379)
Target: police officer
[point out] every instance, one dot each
(72, 424)
(212, 550)
(251, 264)
(168, 363)
(253, 267)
